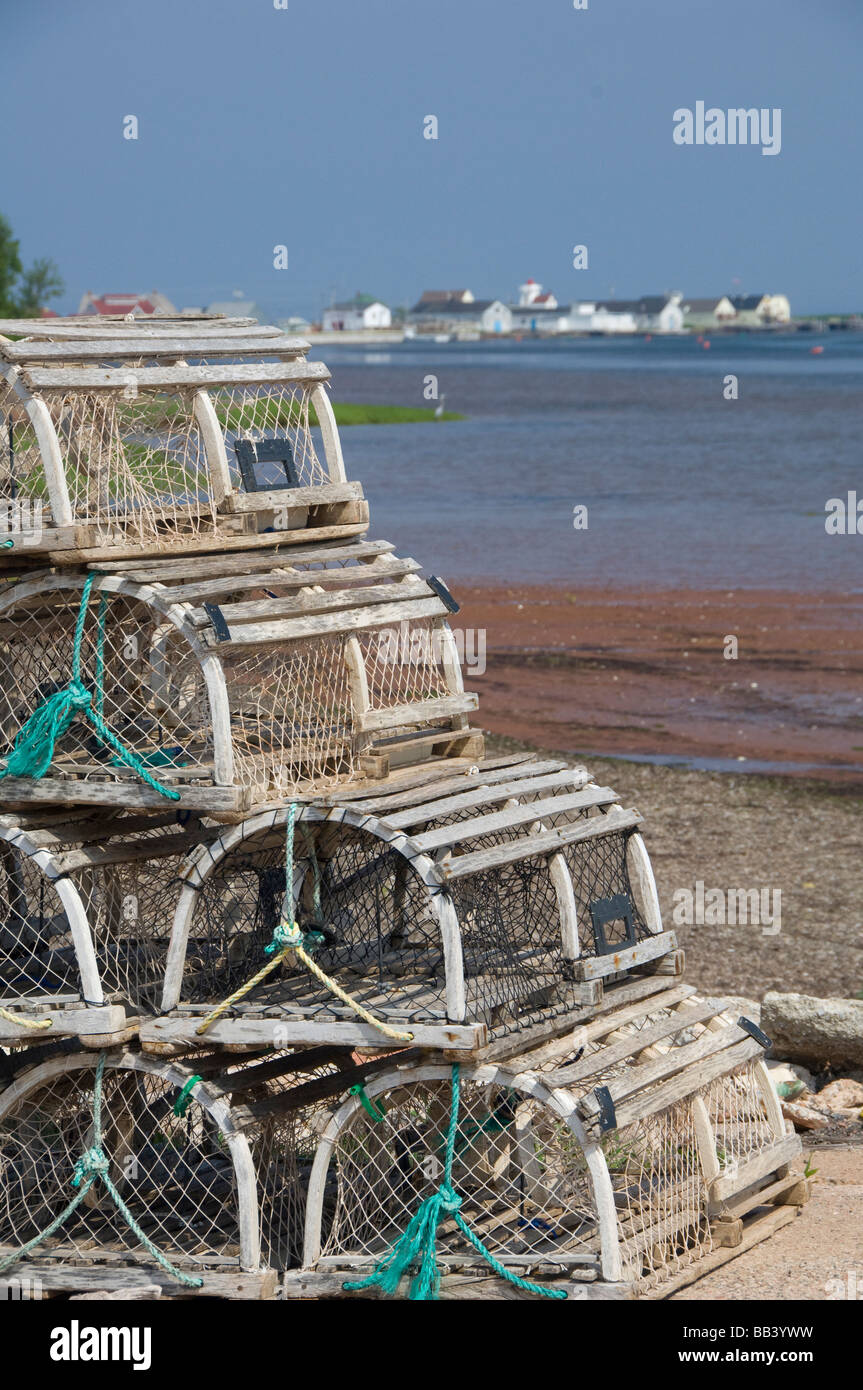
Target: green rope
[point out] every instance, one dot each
(33, 750)
(7, 545)
(181, 1104)
(91, 1165)
(377, 1112)
(417, 1248)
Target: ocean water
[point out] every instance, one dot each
(682, 486)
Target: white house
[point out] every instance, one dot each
(360, 312)
(438, 312)
(708, 313)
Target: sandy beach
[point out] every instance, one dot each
(643, 674)
(775, 798)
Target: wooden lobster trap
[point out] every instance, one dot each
(85, 914)
(196, 441)
(443, 918)
(271, 676)
(210, 1165)
(611, 1176)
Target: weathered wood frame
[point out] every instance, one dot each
(527, 1084)
(67, 533)
(248, 1212)
(224, 794)
(615, 1277)
(97, 1016)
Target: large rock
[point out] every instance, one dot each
(810, 1030)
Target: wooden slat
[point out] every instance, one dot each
(780, 1152)
(597, 967)
(213, 545)
(98, 1019)
(383, 798)
(545, 843)
(122, 793)
(289, 578)
(636, 1042)
(485, 795)
(523, 814)
(162, 378)
(117, 325)
(293, 629)
(321, 495)
(110, 349)
(142, 571)
(455, 1036)
(305, 605)
(421, 712)
(684, 1083)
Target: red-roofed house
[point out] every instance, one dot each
(128, 303)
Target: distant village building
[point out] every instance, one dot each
(237, 308)
(659, 313)
(531, 292)
(127, 302)
(443, 311)
(538, 311)
(294, 324)
(756, 310)
(351, 315)
(708, 313)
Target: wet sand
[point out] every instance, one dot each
(643, 674)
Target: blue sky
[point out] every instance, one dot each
(260, 127)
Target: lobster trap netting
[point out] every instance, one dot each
(134, 462)
(37, 953)
(518, 1168)
(739, 1118)
(23, 488)
(291, 714)
(145, 678)
(660, 1195)
(404, 664)
(378, 935)
(509, 917)
(600, 876)
(274, 411)
(175, 1173)
(124, 907)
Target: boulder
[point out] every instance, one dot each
(819, 1031)
(803, 1116)
(840, 1095)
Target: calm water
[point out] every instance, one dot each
(682, 486)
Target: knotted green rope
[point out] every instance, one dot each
(418, 1245)
(33, 750)
(91, 1165)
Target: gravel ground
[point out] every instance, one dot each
(818, 1256)
(796, 836)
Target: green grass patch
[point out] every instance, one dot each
(351, 413)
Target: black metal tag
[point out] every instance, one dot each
(615, 909)
(217, 618)
(607, 1113)
(754, 1031)
(443, 593)
(251, 452)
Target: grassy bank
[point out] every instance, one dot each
(352, 413)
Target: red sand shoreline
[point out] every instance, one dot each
(636, 673)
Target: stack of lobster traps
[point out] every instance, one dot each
(301, 994)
